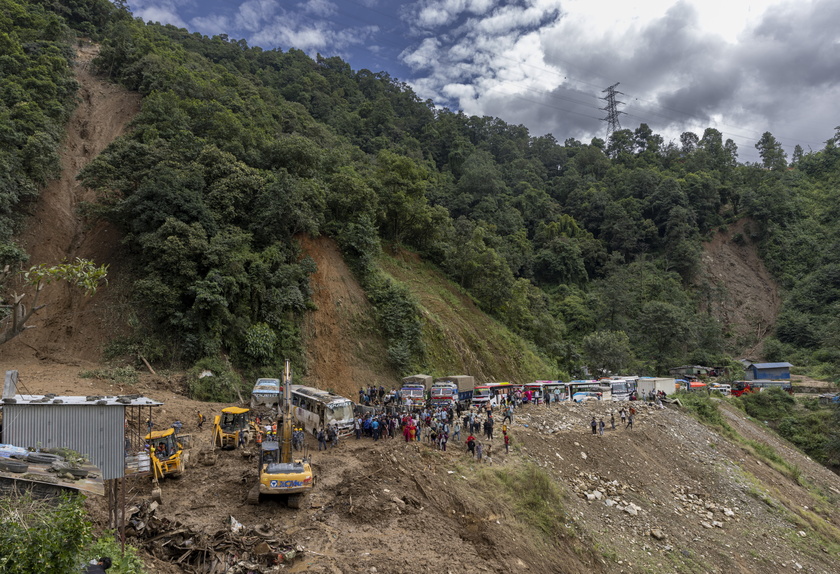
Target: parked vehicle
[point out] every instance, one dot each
(683, 385)
(167, 454)
(553, 387)
(492, 393)
(582, 396)
(228, 426)
(592, 386)
(621, 388)
(449, 391)
(537, 391)
(645, 385)
(266, 392)
(741, 387)
(413, 391)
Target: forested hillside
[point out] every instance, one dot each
(589, 251)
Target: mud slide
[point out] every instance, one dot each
(72, 326)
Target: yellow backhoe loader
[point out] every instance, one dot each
(228, 427)
(167, 457)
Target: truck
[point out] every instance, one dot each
(451, 390)
(414, 389)
(647, 384)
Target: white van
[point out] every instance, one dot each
(725, 390)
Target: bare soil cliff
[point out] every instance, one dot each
(738, 289)
(73, 327)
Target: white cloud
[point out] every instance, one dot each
(319, 7)
(434, 13)
(289, 32)
(163, 12)
(253, 14)
(424, 56)
(211, 25)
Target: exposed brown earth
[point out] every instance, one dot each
(73, 327)
(738, 289)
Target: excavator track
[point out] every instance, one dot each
(254, 495)
(295, 501)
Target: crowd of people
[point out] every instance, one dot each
(461, 427)
(441, 427)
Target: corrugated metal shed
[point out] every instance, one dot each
(771, 365)
(92, 426)
(768, 371)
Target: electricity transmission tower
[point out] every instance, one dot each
(612, 113)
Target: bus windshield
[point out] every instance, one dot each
(342, 411)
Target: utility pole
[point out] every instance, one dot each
(612, 113)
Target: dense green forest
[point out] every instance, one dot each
(590, 251)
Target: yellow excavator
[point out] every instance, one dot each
(279, 472)
(167, 457)
(228, 426)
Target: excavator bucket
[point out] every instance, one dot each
(157, 495)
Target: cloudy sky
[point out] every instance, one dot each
(741, 66)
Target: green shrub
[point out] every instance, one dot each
(121, 563)
(43, 536)
(768, 405)
(220, 385)
(119, 375)
(260, 342)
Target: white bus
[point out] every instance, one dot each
(621, 387)
(315, 408)
(266, 392)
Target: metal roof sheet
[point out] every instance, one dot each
(771, 365)
(92, 400)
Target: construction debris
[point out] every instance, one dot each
(233, 548)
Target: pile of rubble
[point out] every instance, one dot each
(236, 549)
(712, 515)
(594, 488)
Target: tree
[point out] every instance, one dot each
(607, 352)
(82, 273)
(688, 142)
(772, 154)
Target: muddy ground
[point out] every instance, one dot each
(668, 495)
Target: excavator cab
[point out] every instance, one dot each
(166, 453)
(228, 426)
